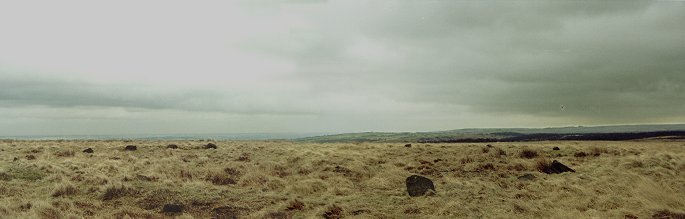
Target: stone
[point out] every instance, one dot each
(556, 148)
(88, 150)
(224, 212)
(172, 146)
(210, 145)
(558, 167)
(419, 185)
(527, 177)
(172, 209)
(131, 148)
(554, 168)
(407, 145)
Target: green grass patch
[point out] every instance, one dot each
(27, 173)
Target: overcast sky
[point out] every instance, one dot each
(149, 67)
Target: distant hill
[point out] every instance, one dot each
(622, 132)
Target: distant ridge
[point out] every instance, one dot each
(618, 132)
(171, 137)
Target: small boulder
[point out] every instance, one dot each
(407, 145)
(130, 148)
(558, 167)
(172, 146)
(210, 145)
(527, 177)
(554, 168)
(419, 185)
(88, 150)
(172, 209)
(556, 148)
(224, 212)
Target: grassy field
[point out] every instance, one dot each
(262, 179)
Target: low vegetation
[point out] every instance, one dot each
(281, 179)
(526, 153)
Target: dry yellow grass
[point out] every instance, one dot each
(262, 179)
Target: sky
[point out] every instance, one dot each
(162, 67)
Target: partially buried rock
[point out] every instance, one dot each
(172, 209)
(527, 177)
(560, 168)
(88, 150)
(210, 145)
(131, 148)
(224, 212)
(419, 185)
(556, 148)
(172, 146)
(407, 145)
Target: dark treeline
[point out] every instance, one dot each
(517, 137)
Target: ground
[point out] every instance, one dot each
(281, 179)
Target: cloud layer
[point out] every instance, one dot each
(311, 66)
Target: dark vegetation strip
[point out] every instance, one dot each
(515, 137)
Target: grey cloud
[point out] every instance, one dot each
(605, 60)
(55, 92)
(431, 19)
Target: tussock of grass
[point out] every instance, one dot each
(543, 165)
(666, 214)
(232, 171)
(517, 167)
(64, 189)
(412, 210)
(580, 154)
(501, 152)
(487, 167)
(65, 153)
(528, 154)
(116, 191)
(46, 211)
(277, 215)
(636, 164)
(5, 176)
(295, 205)
(334, 212)
(596, 151)
(244, 157)
(25, 172)
(221, 178)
